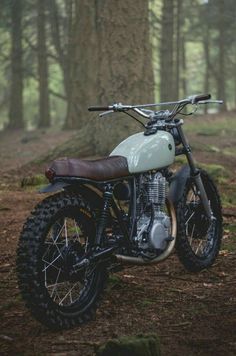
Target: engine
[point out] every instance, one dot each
(153, 222)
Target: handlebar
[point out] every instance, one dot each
(196, 98)
(99, 108)
(115, 107)
(162, 114)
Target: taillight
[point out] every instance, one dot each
(50, 174)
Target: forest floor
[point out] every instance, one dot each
(193, 314)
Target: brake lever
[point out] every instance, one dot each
(106, 113)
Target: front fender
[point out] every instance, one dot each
(177, 184)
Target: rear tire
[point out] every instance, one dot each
(198, 244)
(44, 257)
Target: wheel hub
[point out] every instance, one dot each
(64, 258)
(73, 254)
(199, 219)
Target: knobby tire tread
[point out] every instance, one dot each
(33, 292)
(185, 254)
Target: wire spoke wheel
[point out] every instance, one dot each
(63, 244)
(199, 231)
(198, 240)
(56, 237)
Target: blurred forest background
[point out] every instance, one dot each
(59, 56)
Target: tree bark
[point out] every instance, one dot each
(44, 101)
(70, 9)
(221, 77)
(183, 66)
(112, 62)
(83, 64)
(62, 43)
(166, 51)
(207, 63)
(177, 48)
(16, 84)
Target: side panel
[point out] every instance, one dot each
(144, 153)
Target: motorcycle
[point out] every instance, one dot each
(128, 208)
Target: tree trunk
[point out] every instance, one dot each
(221, 77)
(80, 146)
(83, 64)
(70, 9)
(62, 45)
(207, 63)
(44, 102)
(112, 62)
(177, 49)
(184, 66)
(166, 51)
(16, 84)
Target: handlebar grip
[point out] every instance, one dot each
(201, 97)
(98, 108)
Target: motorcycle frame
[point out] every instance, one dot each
(105, 188)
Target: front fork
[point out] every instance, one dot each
(195, 173)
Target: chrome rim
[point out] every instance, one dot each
(61, 245)
(199, 232)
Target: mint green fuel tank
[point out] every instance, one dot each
(145, 153)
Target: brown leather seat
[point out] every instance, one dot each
(99, 169)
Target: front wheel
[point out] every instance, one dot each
(198, 240)
(60, 231)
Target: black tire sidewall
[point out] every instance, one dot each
(29, 264)
(190, 260)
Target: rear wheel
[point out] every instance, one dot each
(58, 234)
(198, 240)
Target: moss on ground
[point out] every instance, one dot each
(220, 127)
(34, 181)
(140, 345)
(216, 171)
(114, 281)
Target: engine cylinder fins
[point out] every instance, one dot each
(156, 188)
(171, 244)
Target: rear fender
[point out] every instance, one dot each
(177, 184)
(53, 187)
(86, 192)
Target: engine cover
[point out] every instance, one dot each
(159, 233)
(157, 238)
(153, 222)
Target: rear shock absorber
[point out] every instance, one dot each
(107, 198)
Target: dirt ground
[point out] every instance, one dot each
(193, 314)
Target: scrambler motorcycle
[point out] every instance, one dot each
(128, 208)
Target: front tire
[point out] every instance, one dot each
(61, 228)
(198, 242)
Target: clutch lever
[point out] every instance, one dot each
(106, 113)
